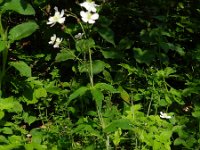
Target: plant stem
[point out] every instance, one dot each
(98, 110)
(4, 55)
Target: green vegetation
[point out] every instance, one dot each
(95, 75)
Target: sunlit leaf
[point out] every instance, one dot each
(22, 67)
(19, 6)
(22, 30)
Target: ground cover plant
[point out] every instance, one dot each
(95, 75)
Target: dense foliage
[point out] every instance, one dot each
(99, 75)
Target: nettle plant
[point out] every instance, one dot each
(108, 128)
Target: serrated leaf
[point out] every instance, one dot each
(143, 56)
(84, 45)
(65, 55)
(121, 123)
(112, 54)
(22, 67)
(98, 97)
(40, 92)
(79, 92)
(1, 114)
(97, 65)
(30, 119)
(124, 95)
(22, 30)
(19, 6)
(107, 34)
(106, 87)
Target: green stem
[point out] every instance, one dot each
(4, 54)
(98, 111)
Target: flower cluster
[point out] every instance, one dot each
(89, 16)
(55, 41)
(57, 18)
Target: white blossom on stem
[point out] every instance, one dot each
(55, 41)
(79, 36)
(89, 6)
(57, 18)
(89, 17)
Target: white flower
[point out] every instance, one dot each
(164, 115)
(55, 41)
(89, 17)
(89, 6)
(58, 17)
(79, 36)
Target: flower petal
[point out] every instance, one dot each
(95, 16)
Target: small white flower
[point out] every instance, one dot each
(164, 115)
(58, 17)
(89, 17)
(79, 36)
(89, 6)
(55, 41)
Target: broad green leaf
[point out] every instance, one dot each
(3, 45)
(22, 67)
(98, 97)
(107, 87)
(79, 92)
(143, 56)
(40, 92)
(112, 54)
(124, 124)
(3, 139)
(125, 43)
(84, 45)
(97, 65)
(29, 119)
(19, 6)
(124, 95)
(65, 55)
(1, 114)
(6, 130)
(6, 103)
(107, 34)
(22, 31)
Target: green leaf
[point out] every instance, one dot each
(29, 119)
(121, 123)
(22, 31)
(124, 95)
(143, 56)
(3, 45)
(40, 92)
(98, 97)
(107, 34)
(65, 55)
(19, 6)
(125, 43)
(112, 54)
(97, 65)
(1, 114)
(79, 92)
(107, 87)
(84, 45)
(22, 67)
(6, 130)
